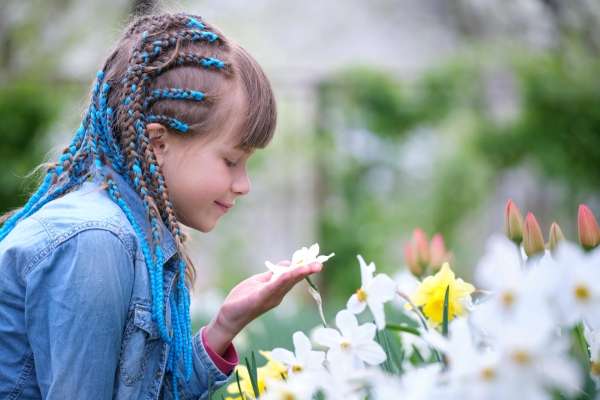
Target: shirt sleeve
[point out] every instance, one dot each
(226, 362)
(75, 310)
(205, 370)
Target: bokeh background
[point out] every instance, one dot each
(392, 115)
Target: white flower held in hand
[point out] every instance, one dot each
(373, 293)
(300, 258)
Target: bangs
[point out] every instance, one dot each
(261, 118)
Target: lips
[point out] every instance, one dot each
(224, 206)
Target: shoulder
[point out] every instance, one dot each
(83, 221)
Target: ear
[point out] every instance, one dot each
(158, 140)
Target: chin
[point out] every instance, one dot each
(199, 226)
(204, 227)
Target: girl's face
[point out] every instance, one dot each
(204, 176)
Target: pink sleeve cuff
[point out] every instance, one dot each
(227, 362)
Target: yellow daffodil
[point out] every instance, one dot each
(430, 295)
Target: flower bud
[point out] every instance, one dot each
(410, 260)
(533, 240)
(437, 251)
(555, 236)
(587, 227)
(420, 248)
(513, 222)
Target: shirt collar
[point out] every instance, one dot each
(135, 203)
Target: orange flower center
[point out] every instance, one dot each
(361, 295)
(521, 357)
(582, 293)
(488, 374)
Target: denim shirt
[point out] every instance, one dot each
(75, 306)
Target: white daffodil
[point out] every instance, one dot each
(304, 358)
(355, 344)
(577, 295)
(295, 387)
(373, 292)
(531, 357)
(300, 258)
(342, 382)
(515, 289)
(592, 337)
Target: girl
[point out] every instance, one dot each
(94, 275)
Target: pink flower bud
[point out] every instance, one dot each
(411, 262)
(587, 226)
(513, 222)
(555, 236)
(437, 251)
(533, 240)
(420, 248)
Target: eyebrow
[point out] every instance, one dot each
(247, 151)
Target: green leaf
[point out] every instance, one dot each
(237, 379)
(386, 364)
(445, 314)
(403, 328)
(253, 376)
(395, 364)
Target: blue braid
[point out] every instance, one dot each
(152, 265)
(177, 347)
(212, 62)
(167, 41)
(185, 320)
(170, 121)
(194, 23)
(157, 265)
(174, 94)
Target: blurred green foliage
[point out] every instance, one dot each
(26, 110)
(559, 125)
(371, 201)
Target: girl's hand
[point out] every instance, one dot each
(249, 299)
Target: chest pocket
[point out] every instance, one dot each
(140, 338)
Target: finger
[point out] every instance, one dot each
(284, 263)
(306, 270)
(264, 276)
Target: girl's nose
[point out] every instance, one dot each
(241, 185)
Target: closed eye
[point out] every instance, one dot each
(230, 163)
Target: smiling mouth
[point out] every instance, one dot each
(222, 206)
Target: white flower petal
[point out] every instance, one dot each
(322, 259)
(284, 356)
(313, 251)
(366, 271)
(364, 333)
(371, 353)
(354, 305)
(299, 256)
(315, 359)
(301, 344)
(378, 313)
(346, 322)
(381, 289)
(327, 337)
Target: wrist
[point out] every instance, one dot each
(217, 335)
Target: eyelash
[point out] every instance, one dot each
(230, 164)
